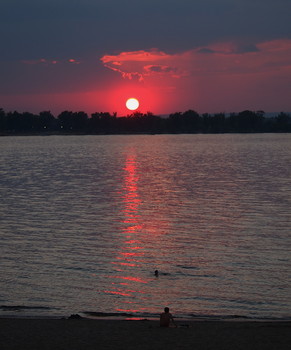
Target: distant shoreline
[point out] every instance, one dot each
(104, 123)
(138, 133)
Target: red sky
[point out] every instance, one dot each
(219, 77)
(222, 57)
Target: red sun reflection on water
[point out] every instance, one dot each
(131, 198)
(140, 235)
(125, 283)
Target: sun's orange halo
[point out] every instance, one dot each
(132, 104)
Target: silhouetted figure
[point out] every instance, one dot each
(157, 273)
(75, 317)
(166, 317)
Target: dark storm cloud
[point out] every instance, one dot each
(236, 48)
(160, 69)
(205, 50)
(47, 28)
(44, 75)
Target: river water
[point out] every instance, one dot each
(86, 220)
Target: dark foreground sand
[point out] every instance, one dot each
(107, 334)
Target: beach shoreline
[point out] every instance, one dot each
(88, 333)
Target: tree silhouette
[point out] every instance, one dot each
(105, 123)
(47, 121)
(283, 123)
(3, 120)
(73, 121)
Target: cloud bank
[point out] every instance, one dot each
(221, 58)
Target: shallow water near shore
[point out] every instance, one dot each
(86, 220)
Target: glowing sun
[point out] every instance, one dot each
(132, 104)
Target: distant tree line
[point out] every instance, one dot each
(68, 122)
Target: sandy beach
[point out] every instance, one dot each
(89, 334)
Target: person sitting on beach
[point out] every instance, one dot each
(166, 317)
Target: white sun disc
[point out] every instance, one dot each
(132, 104)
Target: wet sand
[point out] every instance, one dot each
(87, 334)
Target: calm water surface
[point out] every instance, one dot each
(86, 220)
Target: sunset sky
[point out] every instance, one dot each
(173, 55)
